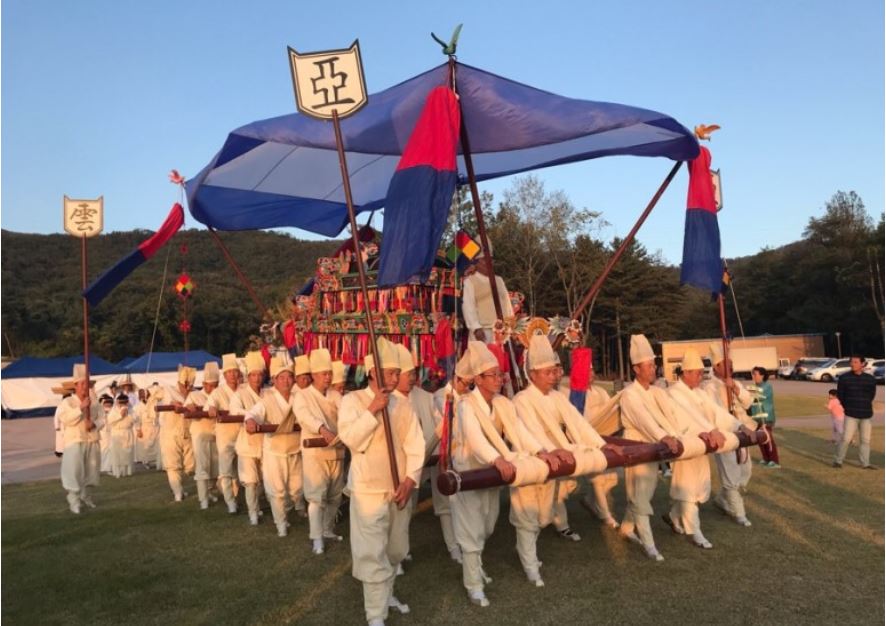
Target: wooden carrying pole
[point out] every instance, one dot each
(517, 379)
(386, 422)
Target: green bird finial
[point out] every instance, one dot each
(449, 49)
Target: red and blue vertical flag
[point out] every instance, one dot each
(420, 193)
(579, 377)
(113, 276)
(702, 266)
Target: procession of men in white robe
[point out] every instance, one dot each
(524, 439)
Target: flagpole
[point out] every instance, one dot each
(262, 309)
(517, 380)
(346, 181)
(83, 262)
(727, 366)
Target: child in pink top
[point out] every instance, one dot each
(837, 416)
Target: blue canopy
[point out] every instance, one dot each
(284, 171)
(60, 367)
(169, 361)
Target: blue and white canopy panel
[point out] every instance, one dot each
(284, 171)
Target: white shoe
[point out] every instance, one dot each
(455, 555)
(232, 508)
(394, 603)
(408, 556)
(653, 553)
(400, 571)
(376, 622)
(631, 536)
(88, 502)
(611, 523)
(487, 580)
(204, 504)
(213, 498)
(281, 530)
(328, 534)
(699, 540)
(75, 508)
(743, 521)
(478, 598)
(568, 533)
(253, 519)
(179, 497)
(317, 546)
(535, 579)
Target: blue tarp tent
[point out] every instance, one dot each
(169, 361)
(34, 367)
(284, 171)
(122, 363)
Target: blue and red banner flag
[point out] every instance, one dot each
(420, 193)
(113, 276)
(579, 377)
(702, 266)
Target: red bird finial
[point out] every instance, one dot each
(175, 178)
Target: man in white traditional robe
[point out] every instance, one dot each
(80, 416)
(553, 421)
(202, 435)
(122, 437)
(478, 306)
(302, 368)
(431, 422)
(380, 512)
(734, 468)
(281, 450)
(226, 433)
(460, 385)
(487, 432)
(316, 408)
(643, 421)
(104, 435)
(174, 442)
(690, 401)
(249, 445)
(339, 377)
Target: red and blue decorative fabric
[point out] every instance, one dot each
(579, 377)
(113, 276)
(420, 193)
(702, 266)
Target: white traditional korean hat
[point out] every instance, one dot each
(279, 365)
(463, 367)
(210, 372)
(541, 353)
(716, 351)
(302, 365)
(481, 357)
(320, 361)
(641, 350)
(186, 375)
(404, 357)
(691, 361)
(229, 362)
(338, 372)
(254, 362)
(386, 352)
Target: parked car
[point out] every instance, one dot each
(785, 368)
(802, 367)
(871, 364)
(829, 372)
(878, 373)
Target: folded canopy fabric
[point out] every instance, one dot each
(284, 171)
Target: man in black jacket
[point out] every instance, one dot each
(856, 391)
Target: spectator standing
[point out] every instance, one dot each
(763, 413)
(856, 391)
(837, 417)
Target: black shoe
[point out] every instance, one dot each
(837, 465)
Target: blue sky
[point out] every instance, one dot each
(105, 97)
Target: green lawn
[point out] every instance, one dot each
(814, 555)
(800, 406)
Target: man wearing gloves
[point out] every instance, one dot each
(380, 511)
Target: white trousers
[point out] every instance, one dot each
(283, 480)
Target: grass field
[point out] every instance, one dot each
(814, 555)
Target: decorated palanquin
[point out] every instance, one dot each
(329, 311)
